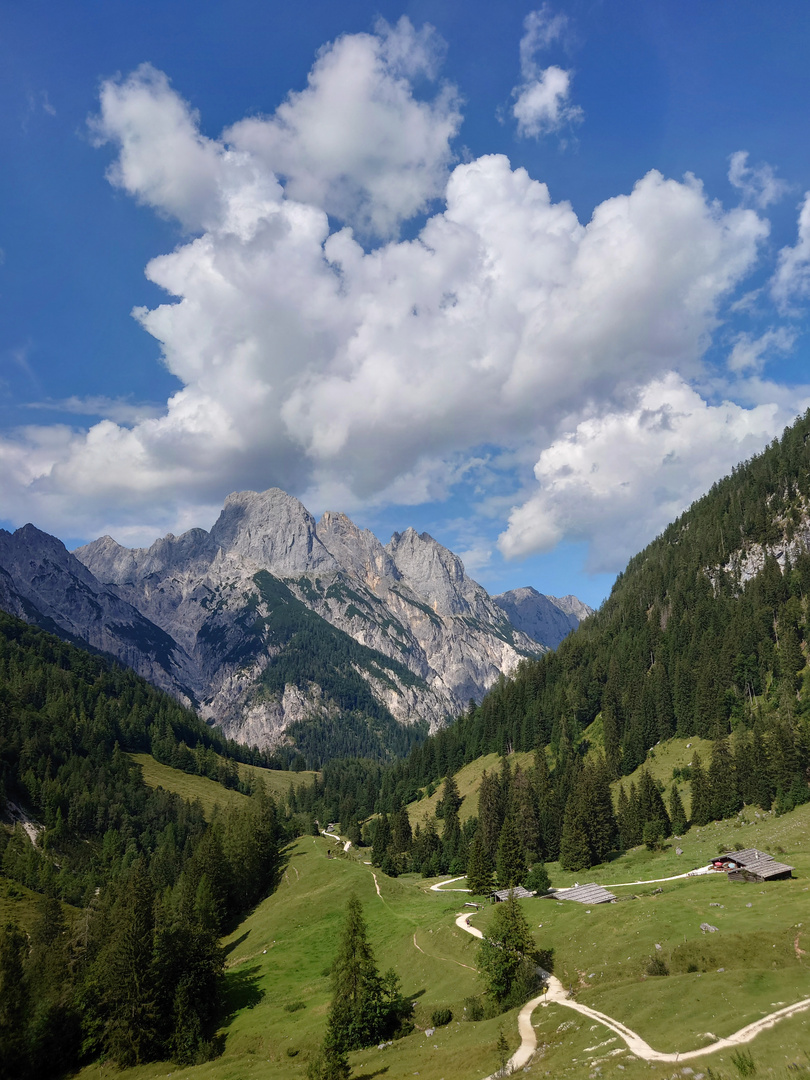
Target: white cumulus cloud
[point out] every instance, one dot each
(792, 278)
(542, 99)
(618, 479)
(355, 374)
(759, 184)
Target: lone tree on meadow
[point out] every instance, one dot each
(508, 958)
(366, 1007)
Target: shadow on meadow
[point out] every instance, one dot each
(241, 991)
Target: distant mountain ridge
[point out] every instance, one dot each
(273, 623)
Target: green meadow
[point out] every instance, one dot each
(278, 962)
(209, 792)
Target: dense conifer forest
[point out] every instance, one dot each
(689, 643)
(124, 960)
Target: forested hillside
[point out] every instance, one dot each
(704, 634)
(137, 974)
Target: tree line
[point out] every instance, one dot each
(124, 959)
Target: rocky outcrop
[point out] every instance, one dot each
(271, 618)
(41, 582)
(545, 619)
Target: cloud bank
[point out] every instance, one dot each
(319, 352)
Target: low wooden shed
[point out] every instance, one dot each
(518, 892)
(585, 894)
(753, 865)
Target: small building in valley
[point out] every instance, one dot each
(585, 894)
(518, 892)
(752, 865)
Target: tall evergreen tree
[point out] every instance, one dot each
(480, 868)
(701, 811)
(508, 953)
(13, 1003)
(511, 865)
(677, 814)
(366, 1007)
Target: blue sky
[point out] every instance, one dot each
(529, 277)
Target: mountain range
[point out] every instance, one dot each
(274, 625)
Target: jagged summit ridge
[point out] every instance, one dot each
(436, 638)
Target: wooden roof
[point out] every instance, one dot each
(758, 862)
(518, 892)
(585, 894)
(745, 856)
(766, 868)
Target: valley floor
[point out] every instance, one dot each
(756, 963)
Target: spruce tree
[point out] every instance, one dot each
(575, 849)
(511, 866)
(508, 953)
(651, 806)
(701, 811)
(480, 868)
(13, 1003)
(127, 973)
(722, 781)
(677, 814)
(366, 1007)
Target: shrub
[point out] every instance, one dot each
(538, 880)
(473, 1009)
(656, 965)
(294, 1006)
(440, 1017)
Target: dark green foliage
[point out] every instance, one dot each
(441, 1017)
(480, 867)
(677, 814)
(511, 866)
(366, 1007)
(701, 794)
(507, 959)
(13, 1002)
(537, 879)
(656, 965)
(141, 980)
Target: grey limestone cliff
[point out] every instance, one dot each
(545, 619)
(231, 618)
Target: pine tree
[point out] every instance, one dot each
(508, 951)
(126, 970)
(490, 816)
(677, 814)
(722, 781)
(13, 1003)
(701, 813)
(479, 866)
(366, 1007)
(651, 806)
(511, 864)
(575, 849)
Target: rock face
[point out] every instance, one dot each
(272, 619)
(41, 582)
(545, 619)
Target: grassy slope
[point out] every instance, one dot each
(468, 780)
(209, 792)
(299, 925)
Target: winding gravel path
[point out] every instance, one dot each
(555, 992)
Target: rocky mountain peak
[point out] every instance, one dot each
(543, 618)
(437, 575)
(272, 531)
(357, 550)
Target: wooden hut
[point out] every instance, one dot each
(518, 892)
(585, 894)
(753, 865)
